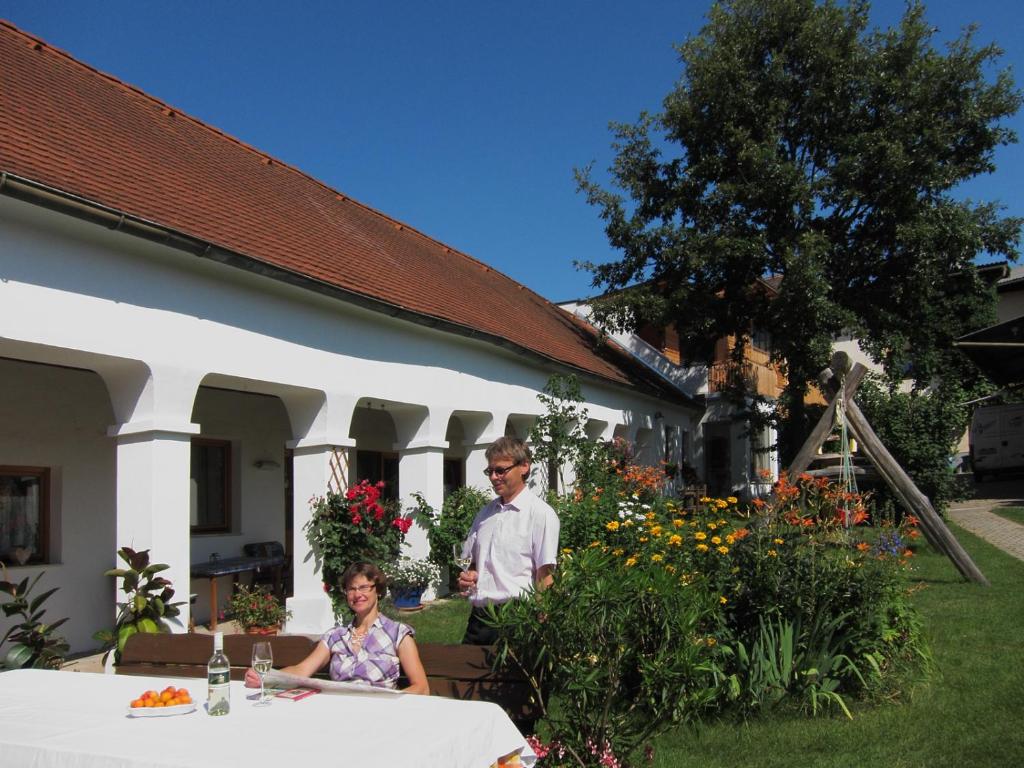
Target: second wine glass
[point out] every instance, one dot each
(463, 561)
(262, 661)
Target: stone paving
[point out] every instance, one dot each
(975, 514)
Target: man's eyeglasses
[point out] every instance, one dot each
(362, 589)
(499, 471)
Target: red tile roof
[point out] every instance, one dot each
(70, 127)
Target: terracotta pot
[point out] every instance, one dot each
(263, 630)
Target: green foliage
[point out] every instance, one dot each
(147, 602)
(451, 527)
(799, 143)
(624, 650)
(351, 526)
(558, 437)
(256, 607)
(809, 612)
(921, 429)
(33, 643)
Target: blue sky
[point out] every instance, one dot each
(462, 119)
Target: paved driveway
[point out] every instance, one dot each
(974, 515)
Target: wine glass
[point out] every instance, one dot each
(463, 561)
(262, 661)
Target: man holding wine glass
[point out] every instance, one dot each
(513, 542)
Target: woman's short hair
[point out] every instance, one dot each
(509, 448)
(370, 571)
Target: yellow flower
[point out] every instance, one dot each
(721, 503)
(716, 540)
(670, 568)
(772, 553)
(627, 523)
(702, 547)
(678, 523)
(723, 599)
(731, 499)
(656, 530)
(612, 525)
(656, 558)
(566, 550)
(675, 540)
(595, 544)
(723, 550)
(643, 539)
(650, 516)
(730, 539)
(630, 562)
(700, 535)
(711, 642)
(778, 541)
(705, 499)
(619, 552)
(711, 526)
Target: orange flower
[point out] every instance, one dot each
(863, 546)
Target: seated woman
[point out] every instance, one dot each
(370, 648)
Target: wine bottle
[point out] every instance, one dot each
(218, 675)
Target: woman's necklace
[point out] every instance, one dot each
(359, 635)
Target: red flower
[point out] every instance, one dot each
(377, 510)
(402, 523)
(351, 493)
(356, 518)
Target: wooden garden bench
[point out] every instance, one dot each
(453, 671)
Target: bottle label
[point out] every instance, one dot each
(220, 678)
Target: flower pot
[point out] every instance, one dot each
(407, 598)
(263, 630)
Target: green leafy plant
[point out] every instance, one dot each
(256, 608)
(355, 525)
(559, 437)
(451, 528)
(147, 604)
(33, 643)
(408, 574)
(625, 651)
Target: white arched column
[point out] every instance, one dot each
(154, 439)
(320, 460)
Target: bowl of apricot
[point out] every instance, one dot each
(169, 701)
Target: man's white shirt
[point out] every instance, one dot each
(509, 543)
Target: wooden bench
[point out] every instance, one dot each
(453, 671)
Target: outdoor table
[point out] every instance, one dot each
(51, 719)
(214, 569)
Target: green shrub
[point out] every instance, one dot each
(451, 527)
(624, 649)
(33, 643)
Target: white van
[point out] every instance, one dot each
(997, 439)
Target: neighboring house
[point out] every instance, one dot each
(723, 450)
(196, 339)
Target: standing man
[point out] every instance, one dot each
(513, 540)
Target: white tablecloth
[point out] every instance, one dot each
(79, 720)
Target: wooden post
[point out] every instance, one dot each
(935, 529)
(840, 363)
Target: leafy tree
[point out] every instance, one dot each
(921, 429)
(559, 436)
(801, 144)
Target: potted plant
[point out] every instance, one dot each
(33, 642)
(147, 605)
(257, 611)
(408, 579)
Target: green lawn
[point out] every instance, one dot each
(1013, 514)
(443, 621)
(970, 715)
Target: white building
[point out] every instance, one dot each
(195, 339)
